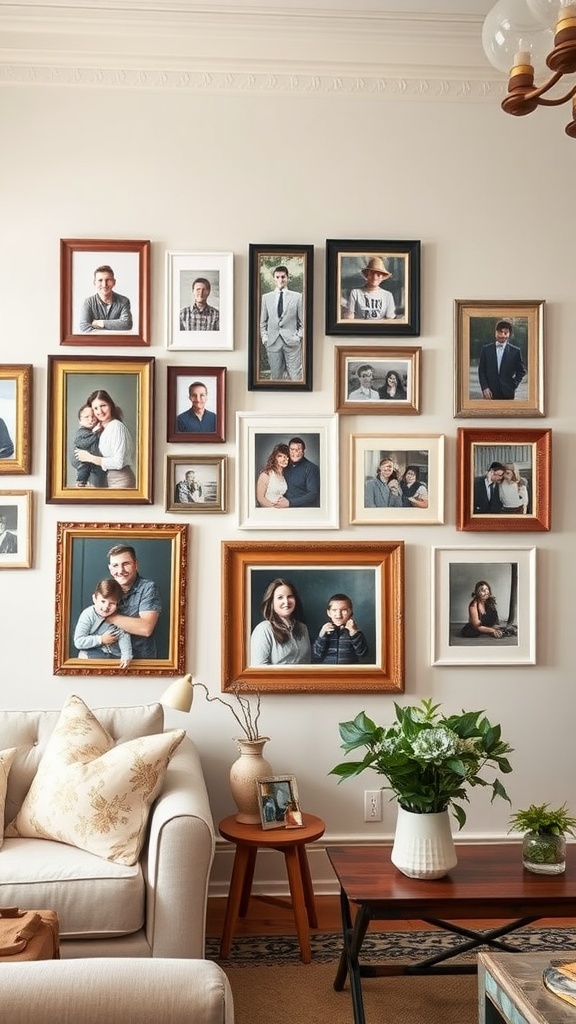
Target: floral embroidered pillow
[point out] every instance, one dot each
(6, 758)
(93, 794)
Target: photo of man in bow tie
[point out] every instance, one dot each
(501, 368)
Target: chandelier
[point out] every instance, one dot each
(527, 37)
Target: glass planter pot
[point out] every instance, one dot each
(544, 854)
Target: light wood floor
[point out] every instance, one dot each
(269, 915)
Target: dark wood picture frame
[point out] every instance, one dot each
(294, 333)
(371, 573)
(346, 260)
(530, 452)
(475, 360)
(179, 405)
(82, 560)
(130, 261)
(129, 381)
(15, 418)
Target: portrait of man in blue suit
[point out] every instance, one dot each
(501, 368)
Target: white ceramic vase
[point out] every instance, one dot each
(244, 774)
(423, 845)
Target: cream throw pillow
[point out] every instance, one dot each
(92, 794)
(6, 758)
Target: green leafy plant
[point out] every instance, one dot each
(428, 758)
(538, 819)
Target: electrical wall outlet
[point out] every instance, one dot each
(372, 805)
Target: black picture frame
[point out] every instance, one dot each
(345, 261)
(262, 262)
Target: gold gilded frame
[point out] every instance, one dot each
(81, 561)
(129, 380)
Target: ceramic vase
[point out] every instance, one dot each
(544, 855)
(244, 774)
(423, 845)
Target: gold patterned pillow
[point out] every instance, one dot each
(6, 758)
(92, 794)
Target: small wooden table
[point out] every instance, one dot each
(292, 843)
(488, 882)
(511, 991)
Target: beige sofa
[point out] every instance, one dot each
(157, 908)
(115, 991)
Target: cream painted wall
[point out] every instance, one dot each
(214, 168)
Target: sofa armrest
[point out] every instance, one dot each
(115, 990)
(177, 859)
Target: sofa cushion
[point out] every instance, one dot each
(30, 732)
(6, 759)
(94, 898)
(92, 794)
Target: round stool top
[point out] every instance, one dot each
(255, 835)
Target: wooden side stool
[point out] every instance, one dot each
(292, 843)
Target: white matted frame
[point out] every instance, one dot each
(257, 435)
(511, 576)
(423, 453)
(15, 529)
(182, 270)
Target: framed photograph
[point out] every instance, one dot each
(397, 478)
(373, 287)
(109, 575)
(483, 606)
(199, 301)
(280, 317)
(498, 354)
(196, 483)
(15, 418)
(504, 480)
(383, 381)
(278, 802)
(15, 529)
(100, 429)
(287, 472)
(104, 292)
(317, 617)
(196, 406)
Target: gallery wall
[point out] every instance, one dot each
(150, 143)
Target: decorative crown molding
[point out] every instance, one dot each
(322, 48)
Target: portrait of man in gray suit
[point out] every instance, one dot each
(281, 328)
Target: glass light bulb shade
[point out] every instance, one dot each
(509, 28)
(546, 11)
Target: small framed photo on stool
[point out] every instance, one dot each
(278, 802)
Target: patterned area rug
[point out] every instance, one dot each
(263, 950)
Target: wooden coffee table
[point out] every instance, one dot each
(488, 882)
(510, 988)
